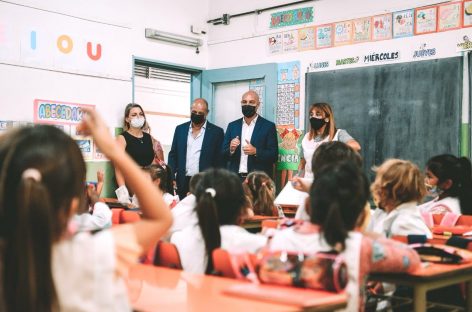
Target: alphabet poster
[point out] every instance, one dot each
(426, 20)
(403, 23)
(449, 16)
(382, 27)
(467, 14)
(362, 30)
(342, 33)
(306, 38)
(290, 41)
(288, 94)
(324, 36)
(275, 43)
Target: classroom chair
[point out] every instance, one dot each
(222, 263)
(270, 224)
(129, 217)
(463, 219)
(116, 215)
(167, 255)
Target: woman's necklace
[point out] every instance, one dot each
(140, 139)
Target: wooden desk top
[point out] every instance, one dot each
(427, 272)
(161, 289)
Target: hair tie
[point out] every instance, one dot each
(246, 181)
(162, 164)
(31, 173)
(211, 191)
(263, 184)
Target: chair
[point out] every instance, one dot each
(116, 215)
(271, 224)
(129, 217)
(222, 263)
(464, 220)
(167, 255)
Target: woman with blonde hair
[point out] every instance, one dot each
(397, 189)
(322, 129)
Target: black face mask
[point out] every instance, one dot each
(248, 110)
(317, 123)
(197, 119)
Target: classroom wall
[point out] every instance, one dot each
(244, 40)
(46, 73)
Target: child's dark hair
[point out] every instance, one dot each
(194, 180)
(42, 171)
(163, 172)
(260, 191)
(458, 170)
(331, 152)
(220, 201)
(338, 196)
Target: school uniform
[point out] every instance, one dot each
(442, 206)
(191, 247)
(405, 219)
(362, 255)
(98, 220)
(87, 269)
(184, 214)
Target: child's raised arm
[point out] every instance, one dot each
(157, 218)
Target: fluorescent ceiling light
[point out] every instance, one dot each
(173, 38)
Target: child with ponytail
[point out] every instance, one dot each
(449, 179)
(45, 266)
(220, 207)
(260, 192)
(161, 176)
(337, 199)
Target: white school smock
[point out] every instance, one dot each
(440, 206)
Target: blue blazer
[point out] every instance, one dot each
(210, 155)
(264, 139)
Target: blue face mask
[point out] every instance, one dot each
(433, 190)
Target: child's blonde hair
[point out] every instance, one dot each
(260, 192)
(398, 181)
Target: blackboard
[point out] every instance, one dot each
(407, 110)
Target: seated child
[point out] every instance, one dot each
(184, 213)
(220, 204)
(44, 266)
(397, 189)
(326, 154)
(259, 190)
(337, 199)
(161, 176)
(449, 180)
(99, 214)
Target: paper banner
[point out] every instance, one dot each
(342, 33)
(290, 41)
(426, 20)
(324, 36)
(362, 29)
(382, 27)
(449, 16)
(403, 23)
(306, 38)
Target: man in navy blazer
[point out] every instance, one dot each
(196, 146)
(250, 143)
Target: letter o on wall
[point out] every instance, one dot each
(68, 41)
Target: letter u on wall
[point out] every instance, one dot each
(98, 53)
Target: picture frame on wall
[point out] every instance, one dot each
(324, 36)
(426, 20)
(403, 23)
(343, 33)
(467, 14)
(306, 38)
(450, 16)
(361, 30)
(382, 27)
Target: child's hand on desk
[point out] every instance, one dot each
(301, 184)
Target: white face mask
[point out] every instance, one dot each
(137, 122)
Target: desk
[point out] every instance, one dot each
(161, 289)
(253, 224)
(431, 277)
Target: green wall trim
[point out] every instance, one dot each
(465, 139)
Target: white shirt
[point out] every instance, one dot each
(84, 273)
(310, 243)
(99, 219)
(309, 147)
(191, 247)
(246, 134)
(184, 214)
(404, 220)
(440, 206)
(194, 147)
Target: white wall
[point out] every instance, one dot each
(46, 73)
(243, 41)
